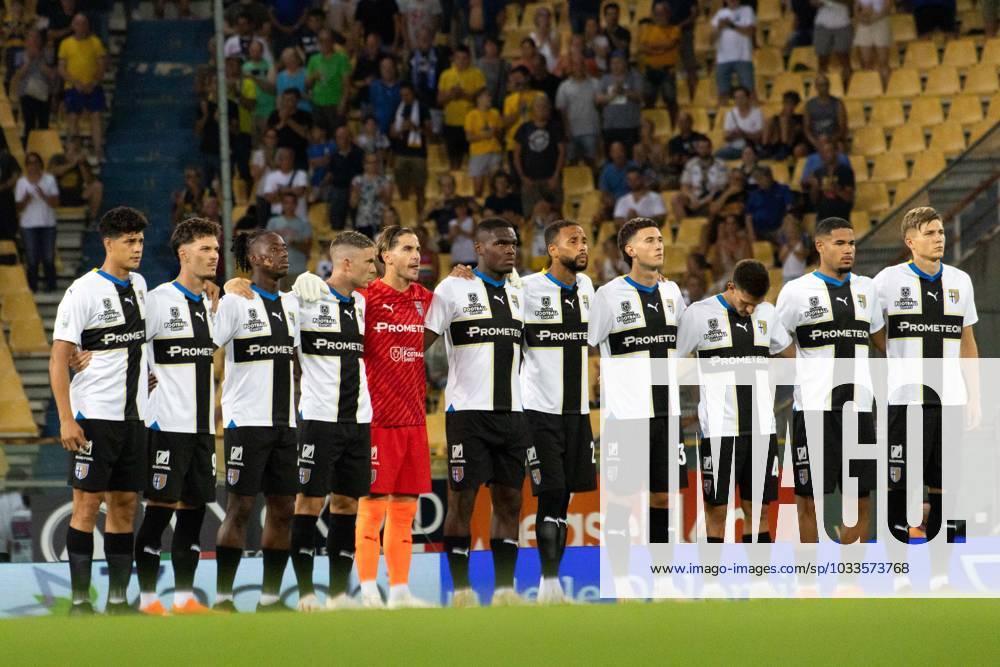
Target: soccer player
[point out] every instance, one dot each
(101, 411)
(260, 336)
(733, 327)
(555, 392)
(181, 417)
(334, 416)
(831, 313)
(930, 309)
(482, 325)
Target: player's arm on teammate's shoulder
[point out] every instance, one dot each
(226, 321)
(462, 271)
(439, 315)
(70, 433)
(239, 287)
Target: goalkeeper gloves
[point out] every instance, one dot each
(309, 287)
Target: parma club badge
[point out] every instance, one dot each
(81, 470)
(159, 480)
(232, 476)
(458, 473)
(304, 475)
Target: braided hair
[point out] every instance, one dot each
(241, 248)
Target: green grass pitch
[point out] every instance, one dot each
(763, 631)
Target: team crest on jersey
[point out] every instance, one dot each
(546, 312)
(670, 305)
(536, 476)
(803, 477)
(232, 476)
(255, 323)
(324, 320)
(714, 333)
(513, 300)
(895, 473)
(627, 316)
(419, 307)
(304, 475)
(458, 473)
(81, 470)
(816, 310)
(586, 300)
(474, 307)
(863, 301)
(109, 314)
(905, 300)
(159, 480)
(953, 295)
(762, 327)
(175, 323)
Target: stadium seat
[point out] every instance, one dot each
(966, 110)
(926, 111)
(887, 112)
(28, 337)
(12, 280)
(948, 138)
(528, 16)
(7, 120)
(981, 80)
(871, 197)
(785, 82)
(993, 110)
(689, 232)
(991, 52)
(971, 22)
(763, 251)
(869, 141)
(700, 121)
(859, 163)
(768, 11)
(407, 209)
(718, 122)
(797, 173)
(903, 83)
(905, 190)
(767, 61)
(921, 55)
(864, 86)
(904, 28)
(855, 114)
(577, 181)
(979, 129)
(661, 122)
(18, 306)
(674, 261)
(960, 53)
(803, 58)
(862, 224)
(908, 139)
(927, 165)
(780, 172)
(836, 84)
(319, 216)
(16, 418)
(890, 167)
(46, 143)
(706, 94)
(943, 80)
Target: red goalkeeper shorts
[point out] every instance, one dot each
(401, 460)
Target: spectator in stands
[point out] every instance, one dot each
(613, 265)
(804, 19)
(596, 47)
(60, 21)
(647, 137)
(539, 155)
(640, 202)
(34, 82)
(580, 11)
(704, 178)
(241, 91)
(742, 126)
(81, 65)
(309, 33)
(733, 27)
(189, 200)
(833, 35)
(620, 99)
(340, 15)
(619, 38)
(293, 76)
(429, 264)
(345, 163)
(427, 62)
(10, 171)
(495, 69)
(680, 148)
(328, 78)
(542, 79)
(260, 70)
(794, 248)
(543, 215)
(546, 37)
(873, 35)
(319, 152)
(825, 115)
(991, 11)
(383, 18)
(659, 46)
(239, 43)
(457, 89)
(577, 102)
(255, 9)
(931, 15)
(207, 129)
(371, 140)
(613, 181)
(37, 196)
(287, 179)
(384, 93)
(442, 209)
(683, 14)
(734, 244)
(366, 69)
(768, 204)
(371, 192)
(815, 160)
(731, 201)
(461, 231)
(503, 201)
(748, 165)
(411, 126)
(830, 185)
(660, 173)
(517, 106)
(263, 162)
(78, 186)
(297, 235)
(292, 124)
(419, 15)
(483, 129)
(287, 17)
(694, 288)
(15, 29)
(785, 134)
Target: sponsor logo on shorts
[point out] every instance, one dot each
(162, 457)
(236, 454)
(612, 451)
(375, 454)
(536, 475)
(374, 474)
(214, 464)
(81, 470)
(305, 474)
(159, 480)
(801, 453)
(706, 463)
(308, 452)
(458, 473)
(895, 452)
(87, 449)
(232, 476)
(532, 454)
(458, 452)
(612, 473)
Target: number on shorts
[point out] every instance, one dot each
(682, 458)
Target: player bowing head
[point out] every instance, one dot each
(748, 286)
(567, 245)
(835, 244)
(641, 241)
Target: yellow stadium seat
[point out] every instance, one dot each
(28, 336)
(966, 110)
(979, 129)
(859, 165)
(661, 121)
(993, 111)
(797, 173)
(46, 143)
(981, 80)
(943, 80)
(779, 32)
(718, 123)
(803, 57)
(971, 22)
(768, 11)
(407, 209)
(780, 172)
(948, 138)
(705, 94)
(608, 229)
(703, 37)
(922, 55)
(836, 84)
(577, 181)
(763, 252)
(904, 28)
(871, 197)
(927, 165)
(926, 111)
(991, 52)
(689, 232)
(319, 215)
(19, 306)
(16, 418)
(905, 190)
(887, 112)
(960, 53)
(7, 120)
(767, 61)
(869, 140)
(860, 220)
(903, 83)
(908, 139)
(785, 82)
(528, 17)
(12, 280)
(700, 121)
(855, 114)
(865, 86)
(890, 167)
(674, 261)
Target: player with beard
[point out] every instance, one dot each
(555, 392)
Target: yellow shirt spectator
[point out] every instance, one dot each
(476, 122)
(661, 36)
(519, 104)
(471, 80)
(83, 57)
(248, 91)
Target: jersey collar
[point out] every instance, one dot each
(558, 282)
(926, 276)
(724, 303)
(116, 281)
(486, 279)
(186, 292)
(267, 295)
(832, 281)
(641, 288)
(340, 297)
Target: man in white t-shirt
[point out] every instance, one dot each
(833, 35)
(286, 179)
(733, 29)
(640, 202)
(37, 195)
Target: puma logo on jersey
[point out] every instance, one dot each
(389, 308)
(277, 315)
(350, 313)
(742, 325)
(200, 315)
(933, 294)
(569, 302)
(129, 301)
(654, 306)
(499, 298)
(843, 299)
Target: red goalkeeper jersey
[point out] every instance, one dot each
(394, 353)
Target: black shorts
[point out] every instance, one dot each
(455, 142)
(486, 448)
(181, 468)
(662, 452)
(334, 458)
(833, 453)
(561, 455)
(716, 491)
(113, 459)
(261, 459)
(933, 426)
(619, 433)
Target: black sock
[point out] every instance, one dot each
(275, 561)
(715, 540)
(618, 538)
(563, 535)
(147, 545)
(547, 536)
(934, 516)
(659, 525)
(764, 537)
(304, 551)
(185, 550)
(504, 562)
(80, 546)
(118, 548)
(748, 538)
(896, 509)
(340, 548)
(457, 547)
(227, 560)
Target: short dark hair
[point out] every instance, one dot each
(492, 225)
(611, 5)
(350, 239)
(121, 220)
(530, 41)
(752, 277)
(628, 232)
(552, 230)
(521, 69)
(792, 95)
(292, 91)
(737, 89)
(462, 48)
(317, 12)
(826, 226)
(389, 237)
(192, 229)
(633, 170)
